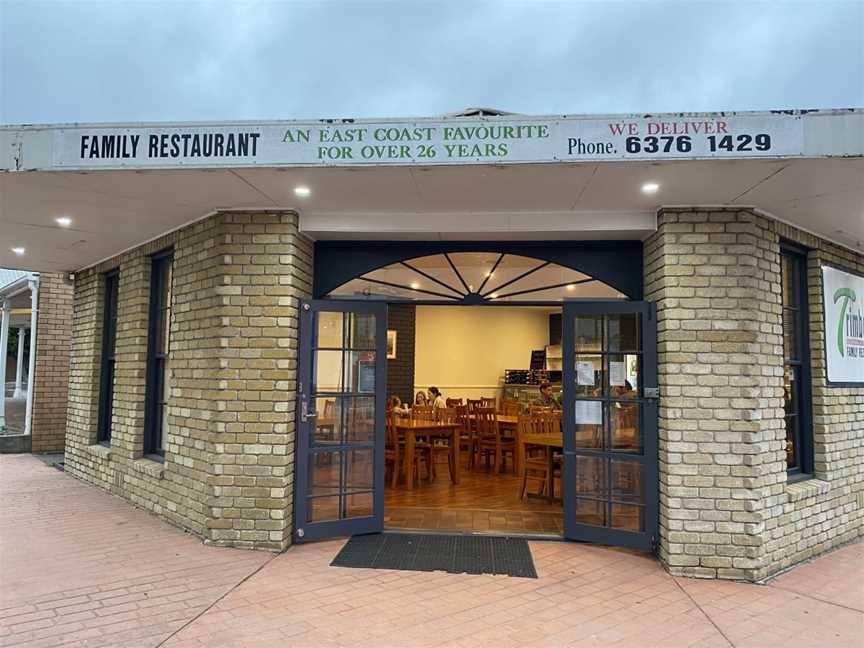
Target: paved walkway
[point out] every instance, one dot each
(79, 567)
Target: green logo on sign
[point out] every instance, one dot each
(847, 295)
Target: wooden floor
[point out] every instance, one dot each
(482, 501)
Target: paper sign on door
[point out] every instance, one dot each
(617, 374)
(585, 373)
(589, 412)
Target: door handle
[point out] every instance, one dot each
(304, 411)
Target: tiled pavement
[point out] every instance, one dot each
(79, 567)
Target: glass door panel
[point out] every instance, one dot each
(610, 423)
(340, 419)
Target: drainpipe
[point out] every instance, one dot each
(19, 366)
(31, 364)
(5, 311)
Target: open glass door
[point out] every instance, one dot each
(340, 424)
(610, 423)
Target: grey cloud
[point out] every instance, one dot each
(149, 60)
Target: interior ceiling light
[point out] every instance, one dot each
(650, 187)
(63, 221)
(415, 285)
(19, 250)
(302, 192)
(571, 287)
(494, 295)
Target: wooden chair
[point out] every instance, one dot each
(441, 446)
(394, 453)
(423, 412)
(490, 442)
(488, 402)
(510, 407)
(536, 467)
(454, 402)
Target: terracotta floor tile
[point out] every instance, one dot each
(82, 568)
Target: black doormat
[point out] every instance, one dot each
(456, 554)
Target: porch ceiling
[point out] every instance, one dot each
(114, 210)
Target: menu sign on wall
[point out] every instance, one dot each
(844, 325)
(482, 140)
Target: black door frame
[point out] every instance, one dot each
(305, 415)
(649, 460)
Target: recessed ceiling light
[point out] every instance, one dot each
(415, 285)
(490, 274)
(302, 192)
(19, 250)
(571, 287)
(650, 187)
(63, 221)
(494, 295)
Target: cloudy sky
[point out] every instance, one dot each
(218, 60)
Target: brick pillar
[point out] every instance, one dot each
(51, 375)
(713, 276)
(266, 269)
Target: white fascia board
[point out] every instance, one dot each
(362, 225)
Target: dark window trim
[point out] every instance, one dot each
(804, 469)
(110, 305)
(152, 422)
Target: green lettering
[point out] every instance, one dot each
(847, 295)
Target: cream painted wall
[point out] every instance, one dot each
(464, 350)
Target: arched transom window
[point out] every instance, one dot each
(475, 277)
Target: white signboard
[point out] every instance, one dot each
(478, 140)
(844, 325)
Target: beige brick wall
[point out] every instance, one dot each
(725, 508)
(51, 373)
(229, 455)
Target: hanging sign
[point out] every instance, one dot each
(844, 325)
(464, 140)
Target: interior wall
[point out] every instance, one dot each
(464, 350)
(400, 370)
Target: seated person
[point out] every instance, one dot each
(623, 391)
(394, 404)
(547, 398)
(436, 399)
(420, 398)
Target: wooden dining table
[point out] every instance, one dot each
(549, 442)
(412, 428)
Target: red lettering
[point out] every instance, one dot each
(633, 129)
(721, 127)
(617, 129)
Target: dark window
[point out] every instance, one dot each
(158, 387)
(109, 344)
(796, 363)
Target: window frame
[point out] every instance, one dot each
(108, 358)
(153, 428)
(804, 431)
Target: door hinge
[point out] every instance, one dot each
(654, 544)
(652, 392)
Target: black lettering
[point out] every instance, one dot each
(243, 144)
(153, 150)
(218, 143)
(186, 137)
(175, 145)
(196, 146)
(108, 146)
(134, 139)
(207, 145)
(230, 148)
(163, 145)
(84, 144)
(254, 137)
